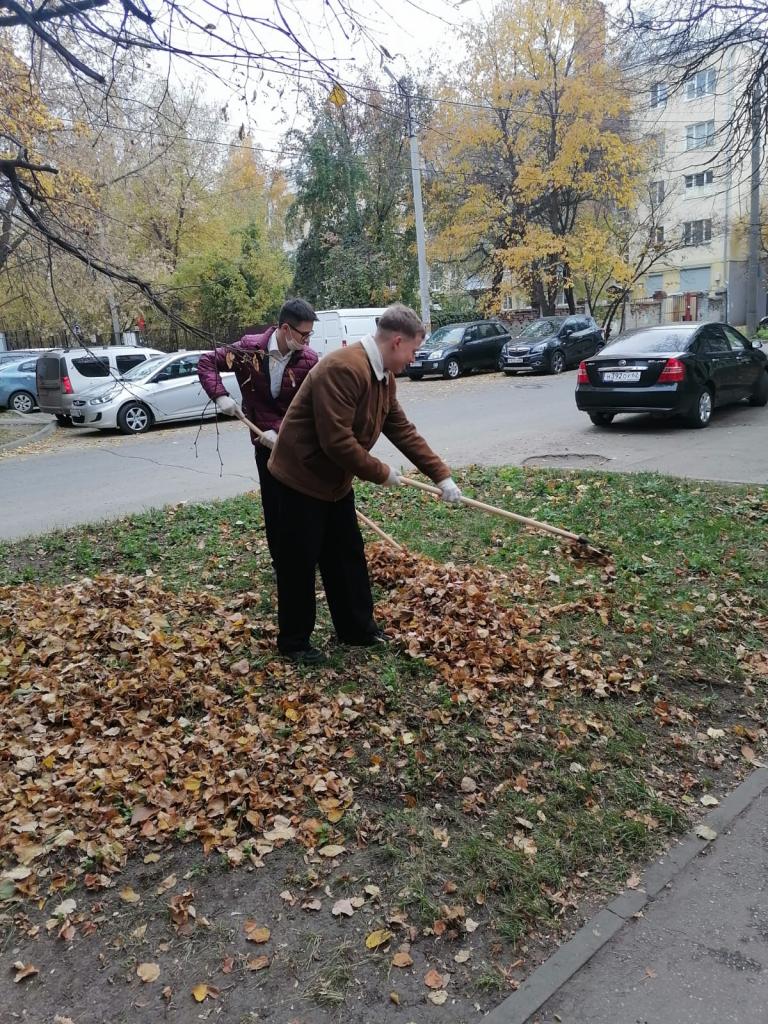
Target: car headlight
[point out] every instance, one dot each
(100, 401)
(437, 354)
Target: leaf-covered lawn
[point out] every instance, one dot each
(540, 726)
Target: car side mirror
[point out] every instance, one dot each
(756, 343)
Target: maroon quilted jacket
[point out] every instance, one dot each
(247, 359)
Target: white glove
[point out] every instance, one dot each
(450, 492)
(394, 479)
(226, 405)
(268, 438)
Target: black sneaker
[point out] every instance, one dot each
(307, 656)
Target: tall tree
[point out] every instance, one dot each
(531, 128)
(352, 203)
(90, 38)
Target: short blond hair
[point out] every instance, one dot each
(400, 319)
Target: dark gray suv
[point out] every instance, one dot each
(457, 349)
(552, 344)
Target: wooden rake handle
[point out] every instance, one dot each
(363, 519)
(473, 503)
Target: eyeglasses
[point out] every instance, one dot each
(302, 334)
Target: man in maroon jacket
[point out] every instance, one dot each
(269, 368)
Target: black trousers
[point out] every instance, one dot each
(270, 498)
(312, 533)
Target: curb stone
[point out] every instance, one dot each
(38, 435)
(596, 933)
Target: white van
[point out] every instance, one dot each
(64, 373)
(337, 328)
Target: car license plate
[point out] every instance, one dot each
(514, 359)
(621, 376)
(415, 364)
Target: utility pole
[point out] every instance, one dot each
(418, 208)
(753, 258)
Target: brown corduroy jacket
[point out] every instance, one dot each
(336, 418)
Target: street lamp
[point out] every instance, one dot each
(417, 201)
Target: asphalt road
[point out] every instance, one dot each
(84, 476)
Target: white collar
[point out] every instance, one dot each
(274, 349)
(373, 352)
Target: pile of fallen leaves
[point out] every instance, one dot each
(132, 713)
(472, 624)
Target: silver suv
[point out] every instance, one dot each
(63, 374)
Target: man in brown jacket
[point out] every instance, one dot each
(346, 402)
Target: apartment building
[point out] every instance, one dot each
(699, 192)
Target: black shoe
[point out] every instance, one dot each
(375, 639)
(306, 656)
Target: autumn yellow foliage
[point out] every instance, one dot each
(531, 131)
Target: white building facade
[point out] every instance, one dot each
(700, 193)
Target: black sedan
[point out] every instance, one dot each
(551, 344)
(678, 369)
(459, 348)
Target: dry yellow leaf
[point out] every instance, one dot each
(148, 972)
(378, 938)
(129, 895)
(332, 850)
(255, 932)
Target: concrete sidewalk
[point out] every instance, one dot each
(689, 947)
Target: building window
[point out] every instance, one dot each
(702, 84)
(700, 134)
(697, 232)
(656, 189)
(658, 94)
(700, 179)
(658, 236)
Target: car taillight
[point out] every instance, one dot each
(66, 384)
(673, 372)
(583, 377)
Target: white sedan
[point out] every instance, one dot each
(162, 389)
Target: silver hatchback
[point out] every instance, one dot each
(163, 389)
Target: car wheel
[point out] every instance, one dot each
(557, 361)
(452, 369)
(21, 401)
(701, 410)
(416, 376)
(601, 419)
(63, 420)
(134, 418)
(760, 395)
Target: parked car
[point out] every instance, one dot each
(459, 348)
(161, 390)
(552, 344)
(15, 355)
(18, 385)
(63, 374)
(685, 369)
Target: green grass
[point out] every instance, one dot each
(688, 605)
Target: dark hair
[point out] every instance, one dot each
(295, 312)
(401, 320)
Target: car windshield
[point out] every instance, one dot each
(443, 336)
(142, 370)
(648, 342)
(540, 329)
(10, 367)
